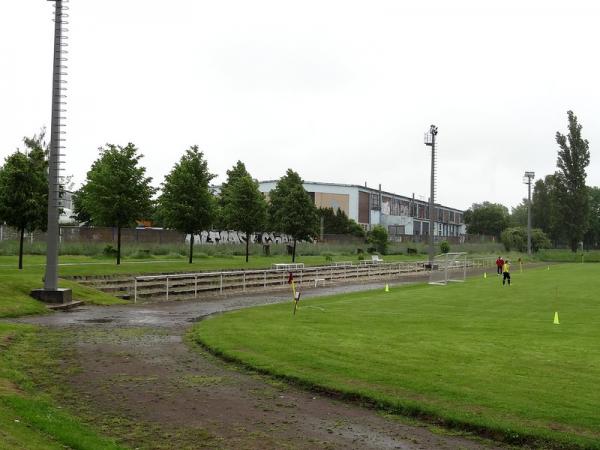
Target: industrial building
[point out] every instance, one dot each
(401, 215)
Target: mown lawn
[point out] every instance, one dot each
(86, 265)
(15, 287)
(477, 355)
(28, 417)
(565, 255)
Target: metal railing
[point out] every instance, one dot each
(191, 285)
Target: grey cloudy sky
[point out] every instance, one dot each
(341, 91)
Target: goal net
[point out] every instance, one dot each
(448, 267)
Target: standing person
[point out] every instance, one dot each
(506, 273)
(499, 265)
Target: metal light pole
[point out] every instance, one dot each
(51, 292)
(527, 180)
(430, 141)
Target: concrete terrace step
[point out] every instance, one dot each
(193, 284)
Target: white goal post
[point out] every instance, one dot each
(448, 267)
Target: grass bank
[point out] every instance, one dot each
(84, 265)
(16, 285)
(139, 250)
(563, 255)
(28, 418)
(476, 356)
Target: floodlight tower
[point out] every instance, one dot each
(527, 180)
(430, 141)
(51, 292)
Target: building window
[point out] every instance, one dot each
(375, 201)
(396, 230)
(417, 228)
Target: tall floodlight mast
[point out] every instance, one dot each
(51, 292)
(527, 180)
(430, 141)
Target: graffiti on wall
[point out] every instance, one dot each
(238, 237)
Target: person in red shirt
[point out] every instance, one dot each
(499, 264)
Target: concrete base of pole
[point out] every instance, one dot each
(60, 295)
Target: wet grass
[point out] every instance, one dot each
(88, 266)
(15, 287)
(28, 417)
(563, 255)
(475, 356)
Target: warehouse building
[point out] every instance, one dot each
(400, 215)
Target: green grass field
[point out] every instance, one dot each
(85, 265)
(477, 355)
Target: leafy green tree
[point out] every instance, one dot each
(24, 190)
(355, 229)
(541, 204)
(80, 214)
(236, 172)
(515, 238)
(337, 222)
(244, 207)
(487, 218)
(187, 203)
(116, 192)
(544, 207)
(518, 214)
(378, 236)
(573, 158)
(292, 211)
(592, 236)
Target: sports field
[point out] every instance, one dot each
(477, 355)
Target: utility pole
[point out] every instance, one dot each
(527, 180)
(51, 292)
(430, 141)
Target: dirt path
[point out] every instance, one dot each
(137, 379)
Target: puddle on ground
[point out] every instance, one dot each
(195, 319)
(101, 320)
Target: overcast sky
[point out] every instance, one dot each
(340, 91)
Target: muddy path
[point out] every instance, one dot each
(132, 373)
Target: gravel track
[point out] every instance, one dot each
(135, 368)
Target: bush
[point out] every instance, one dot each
(515, 238)
(141, 254)
(356, 230)
(378, 236)
(444, 247)
(109, 250)
(328, 256)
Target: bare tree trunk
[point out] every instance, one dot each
(294, 252)
(191, 247)
(247, 245)
(21, 248)
(118, 244)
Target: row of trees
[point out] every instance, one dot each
(117, 193)
(564, 209)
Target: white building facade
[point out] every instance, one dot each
(400, 215)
